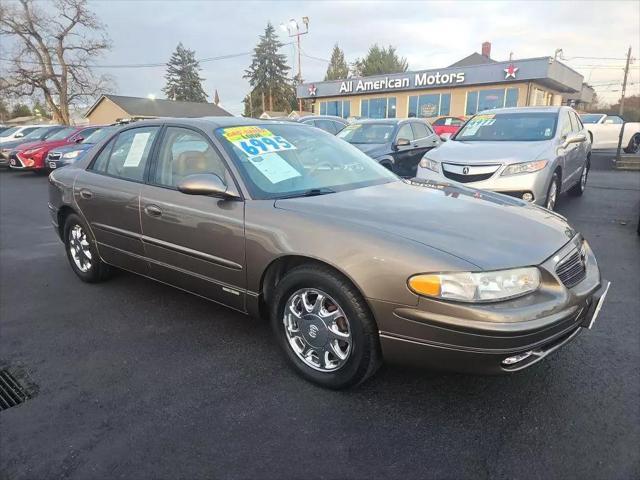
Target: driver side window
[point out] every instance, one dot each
(405, 131)
(185, 152)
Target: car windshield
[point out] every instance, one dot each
(99, 134)
(8, 132)
(35, 134)
(62, 134)
(367, 133)
(590, 118)
(278, 160)
(509, 127)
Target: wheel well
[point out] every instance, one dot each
(63, 213)
(559, 171)
(279, 268)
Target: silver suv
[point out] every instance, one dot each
(533, 153)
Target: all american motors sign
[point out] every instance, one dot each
(419, 80)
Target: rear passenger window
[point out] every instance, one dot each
(126, 156)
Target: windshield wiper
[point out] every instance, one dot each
(312, 192)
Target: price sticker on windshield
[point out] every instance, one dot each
(255, 141)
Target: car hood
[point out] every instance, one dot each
(489, 230)
(73, 147)
(482, 152)
(372, 149)
(17, 145)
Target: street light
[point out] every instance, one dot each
(293, 28)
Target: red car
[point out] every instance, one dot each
(32, 156)
(448, 125)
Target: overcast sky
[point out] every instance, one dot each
(429, 34)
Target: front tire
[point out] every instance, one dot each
(578, 189)
(551, 201)
(324, 327)
(82, 253)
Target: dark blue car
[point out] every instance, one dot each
(62, 156)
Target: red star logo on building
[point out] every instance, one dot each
(510, 71)
(312, 90)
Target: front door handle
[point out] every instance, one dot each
(86, 194)
(153, 211)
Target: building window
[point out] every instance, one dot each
(430, 105)
(477, 101)
(472, 103)
(337, 108)
(378, 107)
(512, 98)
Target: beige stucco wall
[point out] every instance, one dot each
(458, 97)
(106, 112)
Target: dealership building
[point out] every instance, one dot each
(470, 85)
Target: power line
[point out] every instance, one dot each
(141, 65)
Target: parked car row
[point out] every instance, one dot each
(351, 264)
(604, 131)
(43, 148)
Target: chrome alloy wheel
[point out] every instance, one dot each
(79, 249)
(553, 194)
(317, 330)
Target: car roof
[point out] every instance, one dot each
(393, 121)
(212, 122)
(525, 110)
(323, 117)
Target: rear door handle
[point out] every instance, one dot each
(86, 194)
(153, 211)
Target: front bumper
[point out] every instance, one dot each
(475, 338)
(536, 183)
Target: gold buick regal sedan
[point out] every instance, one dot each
(352, 264)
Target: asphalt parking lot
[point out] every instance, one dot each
(133, 379)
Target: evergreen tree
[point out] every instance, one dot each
(40, 110)
(271, 88)
(380, 61)
(338, 68)
(20, 110)
(183, 77)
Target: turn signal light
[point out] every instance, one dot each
(425, 285)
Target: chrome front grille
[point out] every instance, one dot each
(468, 173)
(572, 270)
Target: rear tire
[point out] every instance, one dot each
(578, 189)
(332, 352)
(553, 193)
(82, 252)
(634, 144)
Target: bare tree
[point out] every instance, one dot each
(52, 53)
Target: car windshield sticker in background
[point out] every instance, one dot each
(256, 141)
(476, 122)
(137, 149)
(274, 167)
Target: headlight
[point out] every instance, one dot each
(477, 286)
(526, 167)
(73, 154)
(429, 164)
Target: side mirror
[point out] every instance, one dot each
(18, 135)
(205, 184)
(402, 142)
(445, 137)
(78, 139)
(574, 138)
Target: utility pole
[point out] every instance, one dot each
(621, 109)
(624, 82)
(293, 28)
